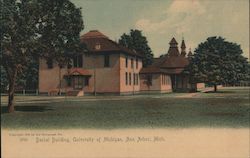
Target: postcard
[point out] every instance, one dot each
(125, 79)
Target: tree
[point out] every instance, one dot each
(27, 80)
(217, 61)
(36, 29)
(135, 40)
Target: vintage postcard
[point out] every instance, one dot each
(125, 79)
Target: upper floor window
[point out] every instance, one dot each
(134, 82)
(106, 61)
(126, 61)
(50, 63)
(126, 78)
(77, 61)
(132, 63)
(130, 78)
(136, 63)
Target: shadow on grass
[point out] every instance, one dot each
(4, 109)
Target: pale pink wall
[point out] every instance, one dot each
(123, 69)
(156, 83)
(49, 79)
(108, 79)
(166, 85)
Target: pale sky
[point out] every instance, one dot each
(160, 20)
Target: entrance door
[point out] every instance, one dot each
(77, 82)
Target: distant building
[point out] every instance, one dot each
(108, 67)
(166, 73)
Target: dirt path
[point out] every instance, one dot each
(191, 95)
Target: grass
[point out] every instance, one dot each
(228, 108)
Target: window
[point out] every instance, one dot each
(106, 61)
(126, 61)
(132, 63)
(137, 79)
(78, 82)
(126, 78)
(162, 79)
(98, 46)
(86, 83)
(77, 61)
(129, 78)
(136, 63)
(149, 80)
(50, 63)
(68, 80)
(134, 79)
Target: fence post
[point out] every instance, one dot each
(23, 91)
(36, 91)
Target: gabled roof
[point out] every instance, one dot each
(97, 42)
(78, 72)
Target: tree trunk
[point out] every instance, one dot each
(11, 92)
(215, 88)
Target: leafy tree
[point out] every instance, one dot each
(217, 61)
(4, 81)
(135, 40)
(36, 29)
(27, 80)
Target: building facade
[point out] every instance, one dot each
(106, 67)
(166, 73)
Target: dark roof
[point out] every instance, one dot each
(93, 34)
(157, 70)
(151, 70)
(173, 41)
(175, 62)
(189, 53)
(183, 45)
(173, 49)
(97, 42)
(171, 63)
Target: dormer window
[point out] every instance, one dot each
(97, 46)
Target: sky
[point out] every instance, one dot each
(161, 20)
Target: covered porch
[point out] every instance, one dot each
(77, 79)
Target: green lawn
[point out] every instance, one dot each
(227, 108)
